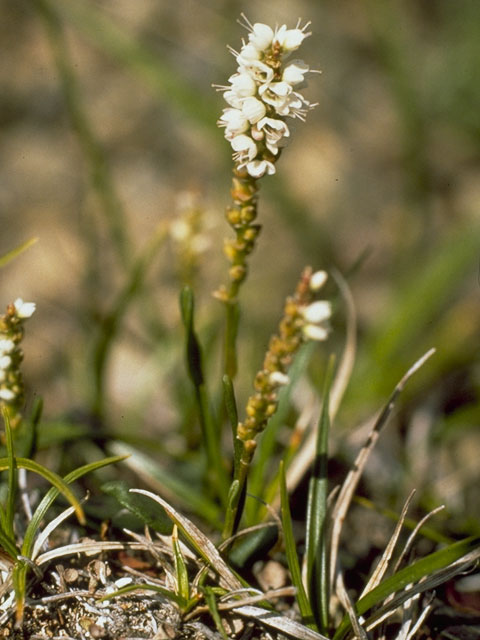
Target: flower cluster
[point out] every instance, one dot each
(261, 94)
(189, 232)
(304, 319)
(11, 356)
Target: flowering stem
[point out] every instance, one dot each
(304, 318)
(241, 216)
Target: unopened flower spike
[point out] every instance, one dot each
(261, 96)
(304, 318)
(11, 356)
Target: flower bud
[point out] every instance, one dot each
(317, 280)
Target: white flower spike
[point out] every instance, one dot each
(261, 95)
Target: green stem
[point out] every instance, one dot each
(241, 216)
(231, 331)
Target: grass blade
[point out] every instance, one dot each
(203, 545)
(304, 459)
(52, 494)
(291, 553)
(232, 414)
(8, 544)
(411, 575)
(316, 540)
(211, 602)
(347, 491)
(51, 477)
(182, 604)
(12, 479)
(11, 255)
(181, 573)
(211, 436)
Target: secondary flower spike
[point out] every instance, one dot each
(11, 356)
(262, 94)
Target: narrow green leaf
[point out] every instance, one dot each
(183, 583)
(52, 493)
(52, 477)
(232, 414)
(235, 497)
(12, 480)
(30, 430)
(211, 602)
(199, 541)
(21, 569)
(182, 604)
(316, 541)
(410, 575)
(193, 350)
(211, 436)
(3, 519)
(7, 257)
(291, 553)
(8, 544)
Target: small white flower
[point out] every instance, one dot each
(314, 332)
(243, 85)
(294, 106)
(234, 122)
(5, 362)
(278, 378)
(7, 395)
(24, 309)
(248, 53)
(275, 93)
(231, 97)
(6, 346)
(295, 72)
(245, 148)
(258, 70)
(253, 109)
(261, 36)
(258, 168)
(290, 39)
(317, 312)
(275, 131)
(317, 280)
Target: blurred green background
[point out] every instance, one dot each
(107, 118)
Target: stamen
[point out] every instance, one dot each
(246, 24)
